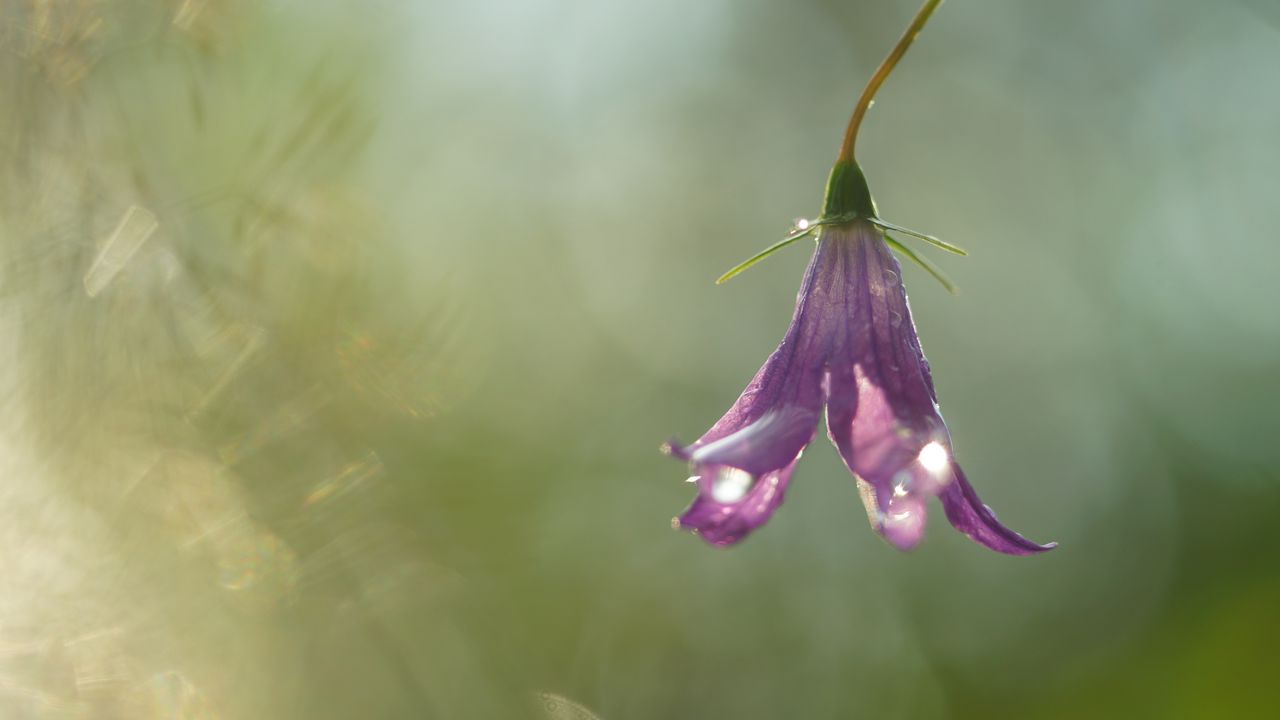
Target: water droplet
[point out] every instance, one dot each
(731, 485)
(934, 457)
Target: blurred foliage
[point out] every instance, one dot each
(339, 339)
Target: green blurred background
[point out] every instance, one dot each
(339, 339)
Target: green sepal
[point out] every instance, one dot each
(940, 244)
(847, 193)
(923, 263)
(740, 267)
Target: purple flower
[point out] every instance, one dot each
(851, 350)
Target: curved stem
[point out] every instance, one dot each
(886, 67)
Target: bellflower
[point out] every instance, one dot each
(851, 353)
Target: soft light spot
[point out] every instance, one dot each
(802, 224)
(934, 457)
(731, 485)
(559, 707)
(354, 475)
(187, 13)
(137, 224)
(693, 478)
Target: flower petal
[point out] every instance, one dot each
(772, 442)
(881, 409)
(744, 462)
(897, 508)
(970, 516)
(725, 516)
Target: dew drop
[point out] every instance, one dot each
(901, 483)
(731, 484)
(934, 457)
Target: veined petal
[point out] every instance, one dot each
(881, 409)
(881, 406)
(883, 415)
(790, 383)
(744, 461)
(970, 516)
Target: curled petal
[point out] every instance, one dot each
(970, 516)
(742, 477)
(877, 441)
(897, 508)
(770, 443)
(899, 464)
(731, 503)
(744, 462)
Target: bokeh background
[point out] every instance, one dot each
(339, 339)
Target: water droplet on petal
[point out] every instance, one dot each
(731, 485)
(901, 483)
(904, 523)
(934, 457)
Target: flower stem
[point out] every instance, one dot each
(886, 67)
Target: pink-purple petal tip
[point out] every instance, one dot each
(968, 514)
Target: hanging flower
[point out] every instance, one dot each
(851, 351)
